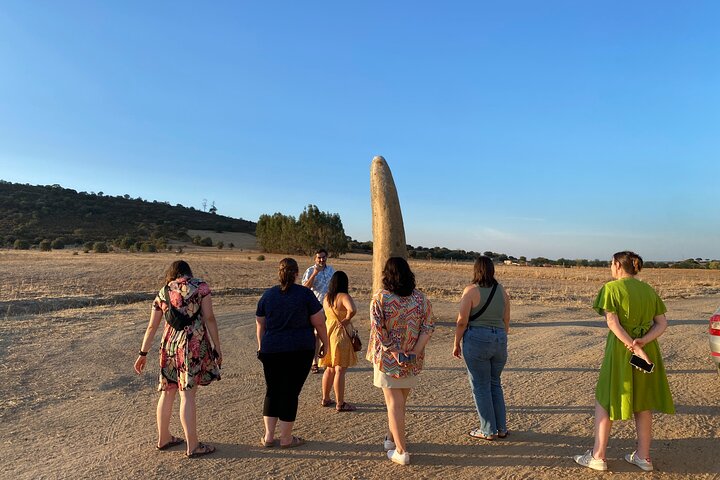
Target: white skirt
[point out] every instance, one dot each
(383, 380)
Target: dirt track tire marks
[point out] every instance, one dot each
(105, 427)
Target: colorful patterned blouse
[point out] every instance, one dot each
(397, 322)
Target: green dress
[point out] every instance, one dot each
(621, 388)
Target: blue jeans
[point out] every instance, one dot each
(485, 354)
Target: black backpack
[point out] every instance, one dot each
(175, 317)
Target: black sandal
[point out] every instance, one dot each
(346, 407)
(201, 450)
(173, 441)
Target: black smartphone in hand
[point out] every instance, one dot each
(641, 364)
(406, 358)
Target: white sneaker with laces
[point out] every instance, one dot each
(401, 458)
(639, 462)
(587, 460)
(388, 444)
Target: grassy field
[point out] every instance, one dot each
(35, 281)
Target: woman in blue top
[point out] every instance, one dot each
(286, 316)
(484, 340)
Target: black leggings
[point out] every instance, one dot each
(285, 374)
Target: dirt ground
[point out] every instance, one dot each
(71, 405)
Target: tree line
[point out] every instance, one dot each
(51, 217)
(313, 229)
(442, 253)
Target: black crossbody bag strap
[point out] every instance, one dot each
(487, 304)
(179, 320)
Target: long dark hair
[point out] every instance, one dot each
(287, 273)
(338, 284)
(631, 262)
(397, 277)
(484, 271)
(177, 269)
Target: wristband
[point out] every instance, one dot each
(142, 354)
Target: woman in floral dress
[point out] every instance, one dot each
(189, 356)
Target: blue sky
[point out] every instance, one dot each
(556, 128)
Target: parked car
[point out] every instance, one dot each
(715, 338)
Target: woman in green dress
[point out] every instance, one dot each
(635, 315)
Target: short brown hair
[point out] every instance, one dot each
(397, 277)
(484, 271)
(631, 262)
(177, 269)
(287, 272)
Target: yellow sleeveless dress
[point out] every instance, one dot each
(340, 352)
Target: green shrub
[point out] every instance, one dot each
(45, 246)
(21, 244)
(148, 247)
(126, 242)
(220, 245)
(206, 242)
(100, 247)
(58, 244)
(260, 258)
(88, 246)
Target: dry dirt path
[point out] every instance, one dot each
(71, 405)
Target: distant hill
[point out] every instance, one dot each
(34, 213)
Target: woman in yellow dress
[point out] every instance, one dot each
(339, 310)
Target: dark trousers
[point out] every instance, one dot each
(285, 375)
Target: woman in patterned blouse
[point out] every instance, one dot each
(400, 327)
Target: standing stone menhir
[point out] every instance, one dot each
(387, 222)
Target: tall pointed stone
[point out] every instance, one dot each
(387, 222)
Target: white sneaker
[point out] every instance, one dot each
(388, 444)
(640, 462)
(401, 458)
(587, 460)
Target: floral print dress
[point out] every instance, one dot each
(186, 356)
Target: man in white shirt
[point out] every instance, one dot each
(317, 278)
